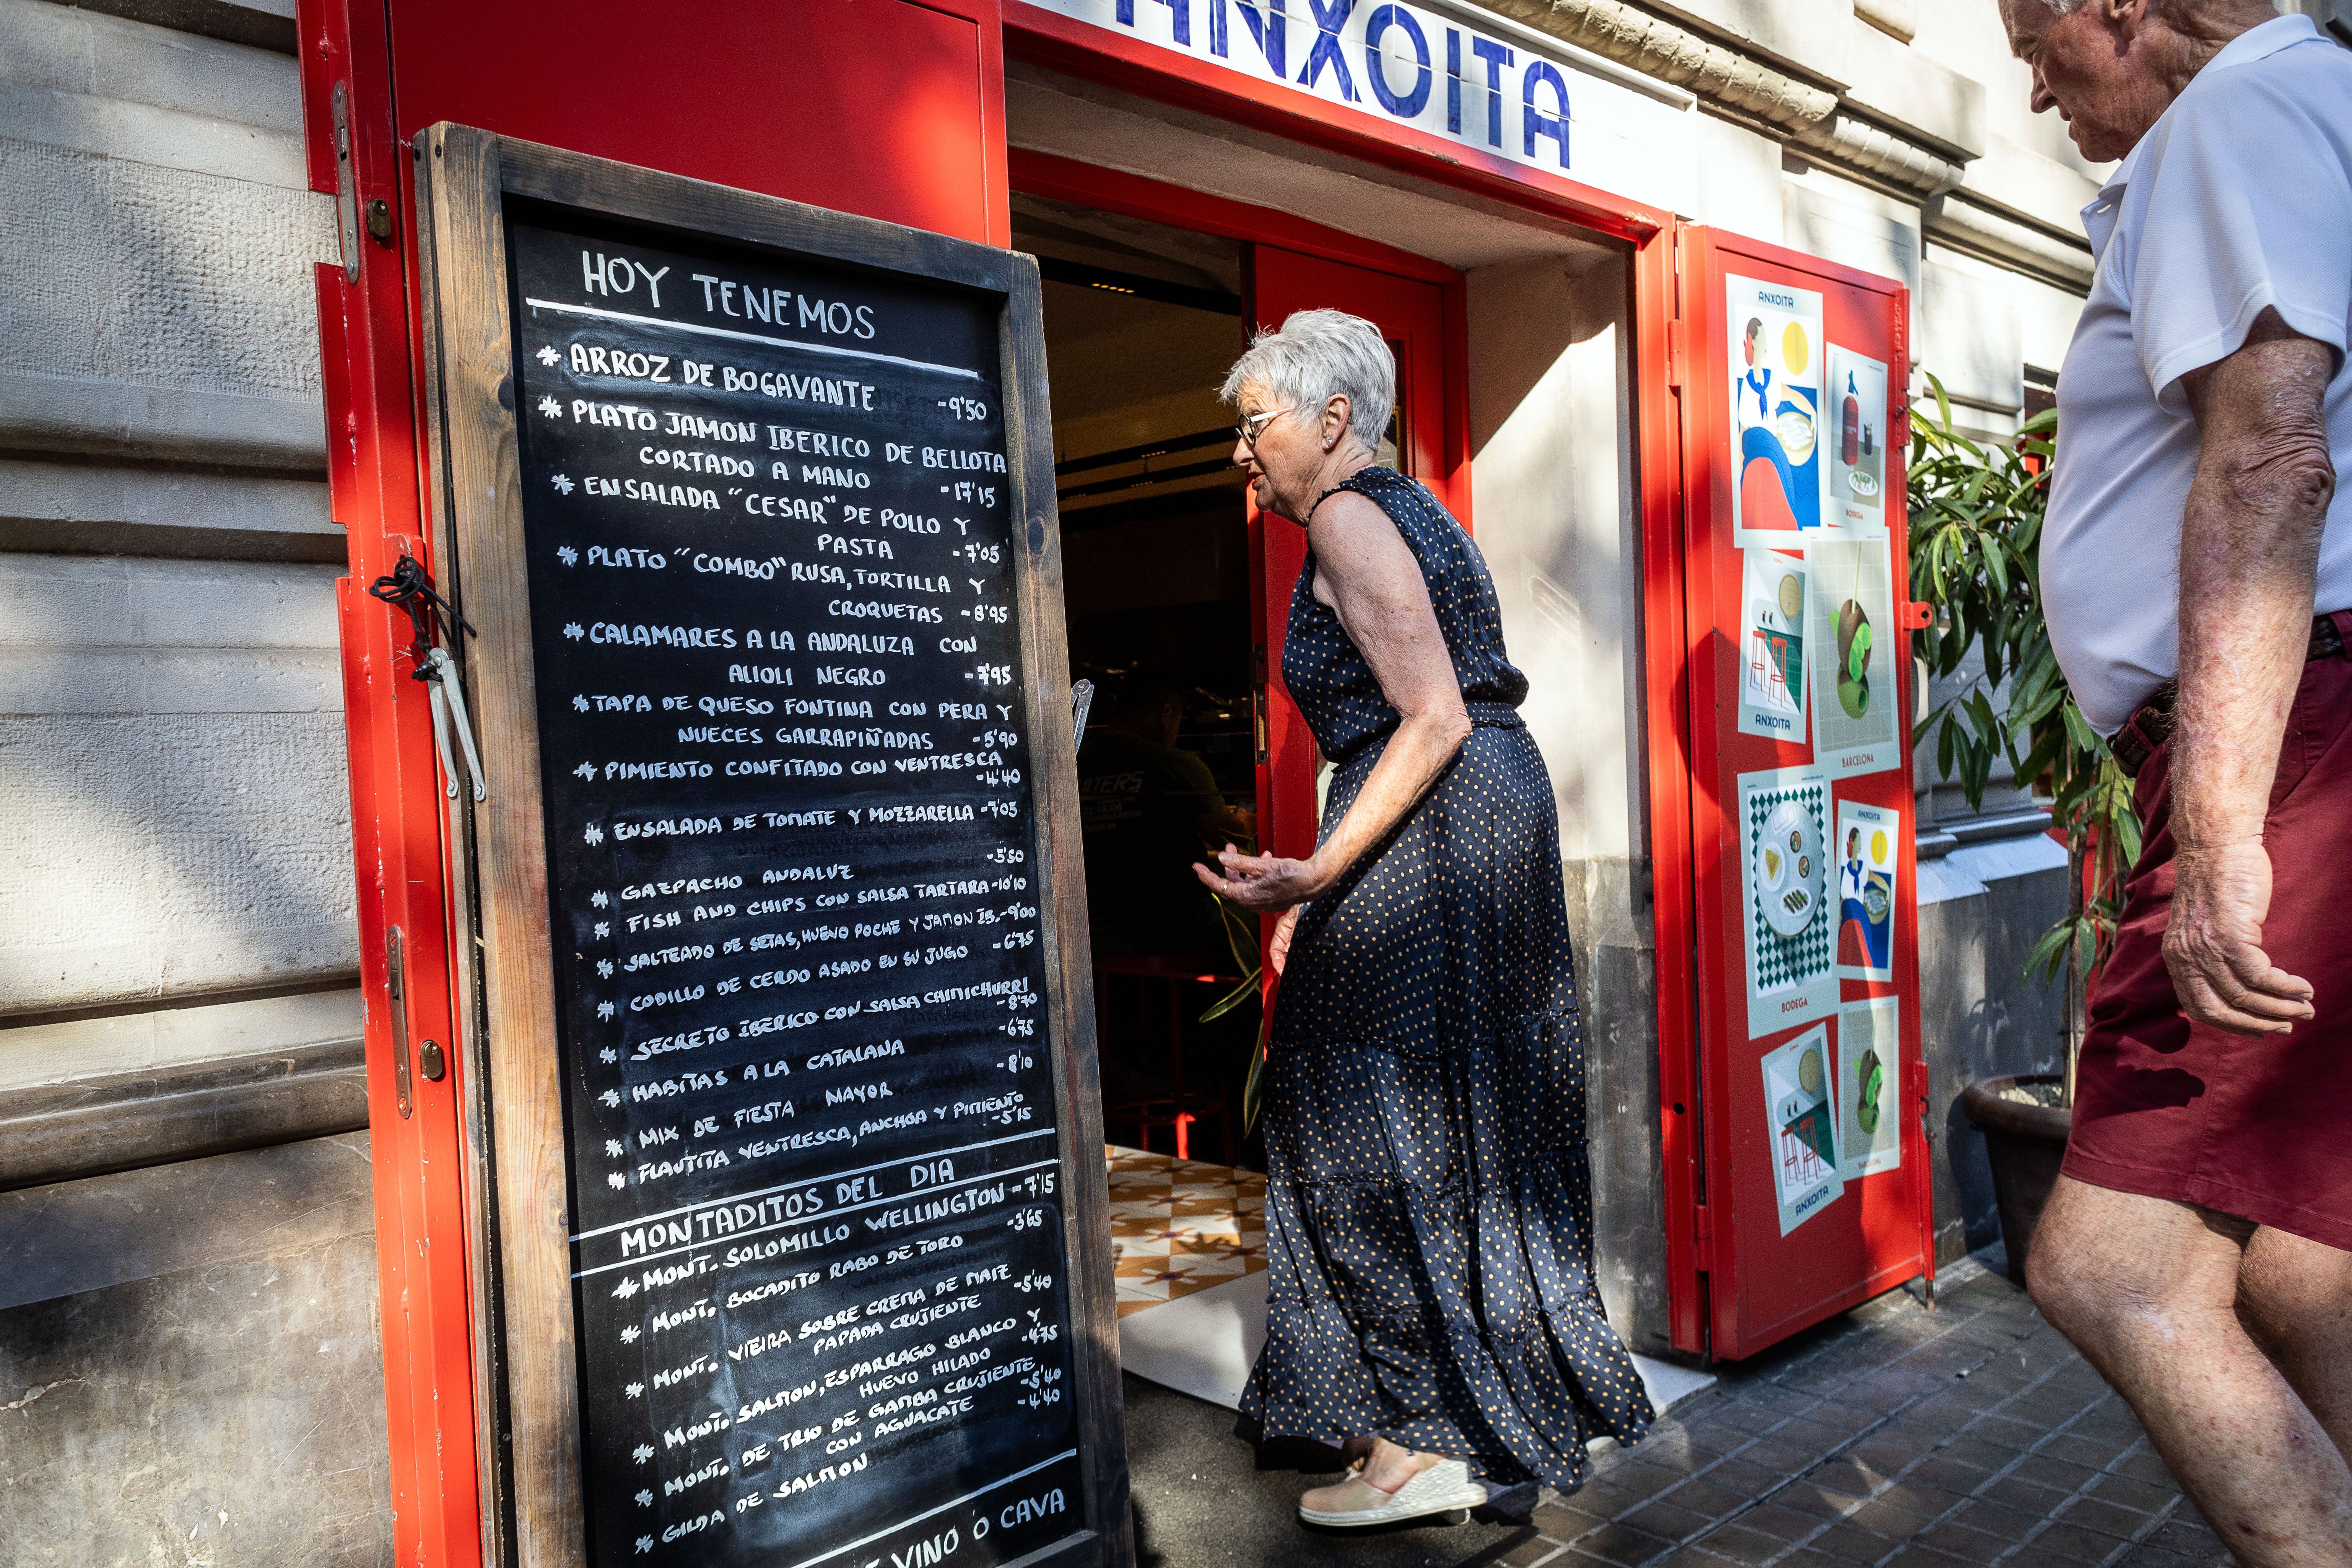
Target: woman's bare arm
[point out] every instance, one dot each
(1376, 587)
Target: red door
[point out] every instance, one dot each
(1811, 1087)
(1427, 438)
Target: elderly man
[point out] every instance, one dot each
(2197, 567)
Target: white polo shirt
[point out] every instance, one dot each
(2238, 198)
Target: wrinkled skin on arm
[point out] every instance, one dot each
(1371, 578)
(2248, 559)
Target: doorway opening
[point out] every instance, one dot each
(1142, 319)
(1177, 595)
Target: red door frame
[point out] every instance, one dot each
(1656, 356)
(1286, 770)
(437, 1429)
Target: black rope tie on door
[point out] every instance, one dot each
(410, 587)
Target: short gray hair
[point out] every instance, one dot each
(1316, 356)
(2169, 9)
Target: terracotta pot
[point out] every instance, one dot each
(2025, 1143)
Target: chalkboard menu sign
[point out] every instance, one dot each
(787, 1126)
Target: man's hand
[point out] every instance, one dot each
(2212, 943)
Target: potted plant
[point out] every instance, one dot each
(1976, 528)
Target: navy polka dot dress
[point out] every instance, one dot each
(1429, 1203)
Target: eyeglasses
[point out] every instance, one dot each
(1252, 428)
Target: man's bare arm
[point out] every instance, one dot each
(2249, 558)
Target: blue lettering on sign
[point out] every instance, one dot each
(1328, 20)
(1399, 62)
(1453, 82)
(1541, 124)
(1496, 57)
(1406, 105)
(1183, 18)
(1271, 33)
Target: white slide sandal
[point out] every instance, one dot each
(1444, 1487)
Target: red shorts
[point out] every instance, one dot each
(2256, 1127)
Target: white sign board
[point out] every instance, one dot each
(1454, 73)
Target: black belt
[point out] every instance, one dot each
(2151, 722)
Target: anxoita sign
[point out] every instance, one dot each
(1475, 80)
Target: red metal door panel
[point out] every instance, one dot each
(1413, 316)
(884, 108)
(1768, 1276)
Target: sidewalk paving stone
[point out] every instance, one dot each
(1892, 1436)
(1895, 1437)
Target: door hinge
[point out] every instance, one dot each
(1703, 1239)
(347, 190)
(1676, 339)
(396, 985)
(1258, 725)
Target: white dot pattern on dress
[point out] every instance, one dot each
(1429, 1207)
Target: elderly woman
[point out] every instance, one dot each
(1432, 1307)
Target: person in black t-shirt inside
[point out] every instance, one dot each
(1149, 810)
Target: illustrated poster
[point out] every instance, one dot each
(1772, 646)
(1775, 412)
(1784, 817)
(1853, 646)
(1869, 1058)
(1802, 1124)
(1856, 439)
(1869, 838)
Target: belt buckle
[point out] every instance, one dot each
(2130, 747)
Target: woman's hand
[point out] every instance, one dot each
(1263, 883)
(1277, 951)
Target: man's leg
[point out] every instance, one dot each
(2294, 1296)
(2147, 1290)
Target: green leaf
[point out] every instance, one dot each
(2125, 826)
(1254, 1086)
(1234, 998)
(2079, 727)
(2049, 953)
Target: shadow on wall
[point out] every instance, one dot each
(170, 751)
(1982, 1017)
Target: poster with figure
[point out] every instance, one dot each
(1856, 438)
(1802, 1124)
(1784, 817)
(1853, 697)
(1869, 838)
(1869, 1055)
(1772, 646)
(1775, 412)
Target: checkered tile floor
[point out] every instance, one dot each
(1179, 1225)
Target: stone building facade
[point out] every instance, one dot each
(189, 1361)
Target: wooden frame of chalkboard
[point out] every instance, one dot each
(735, 1296)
